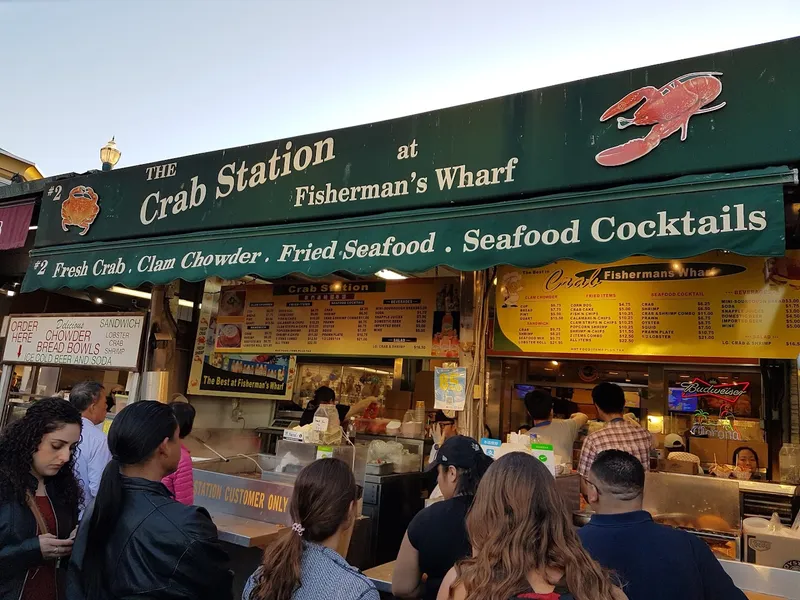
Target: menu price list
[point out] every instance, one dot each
(609, 326)
(340, 324)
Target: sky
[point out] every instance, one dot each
(171, 78)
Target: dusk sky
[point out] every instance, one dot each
(170, 78)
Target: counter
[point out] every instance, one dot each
(758, 583)
(247, 533)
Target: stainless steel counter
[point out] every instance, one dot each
(780, 583)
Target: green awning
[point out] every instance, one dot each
(740, 212)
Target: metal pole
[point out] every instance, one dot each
(5, 386)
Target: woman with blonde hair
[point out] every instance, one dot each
(523, 542)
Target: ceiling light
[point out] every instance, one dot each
(554, 363)
(684, 376)
(613, 373)
(33, 228)
(10, 293)
(676, 266)
(98, 300)
(146, 295)
(387, 274)
(128, 292)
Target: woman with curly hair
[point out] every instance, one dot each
(523, 543)
(39, 500)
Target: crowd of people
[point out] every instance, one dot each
(85, 517)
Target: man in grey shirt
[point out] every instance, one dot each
(561, 433)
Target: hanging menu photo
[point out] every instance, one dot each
(417, 318)
(714, 305)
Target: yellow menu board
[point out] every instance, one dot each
(416, 318)
(714, 305)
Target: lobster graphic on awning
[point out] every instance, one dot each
(668, 109)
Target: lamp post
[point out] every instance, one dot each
(109, 155)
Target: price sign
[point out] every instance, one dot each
(451, 385)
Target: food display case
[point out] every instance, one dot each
(705, 506)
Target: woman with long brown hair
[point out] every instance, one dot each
(304, 564)
(523, 543)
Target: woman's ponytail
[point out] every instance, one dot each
(280, 571)
(322, 498)
(107, 506)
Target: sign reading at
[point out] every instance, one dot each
(413, 318)
(714, 305)
(109, 341)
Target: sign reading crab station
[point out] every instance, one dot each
(692, 116)
(109, 341)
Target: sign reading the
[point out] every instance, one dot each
(108, 341)
(714, 305)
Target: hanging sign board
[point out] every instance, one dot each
(733, 108)
(239, 375)
(356, 318)
(714, 305)
(450, 392)
(106, 341)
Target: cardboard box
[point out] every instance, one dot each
(684, 467)
(770, 550)
(709, 448)
(398, 400)
(424, 389)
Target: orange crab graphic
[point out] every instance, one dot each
(80, 209)
(668, 109)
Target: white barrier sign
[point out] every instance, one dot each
(106, 341)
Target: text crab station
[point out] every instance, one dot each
(602, 230)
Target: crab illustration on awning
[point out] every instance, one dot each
(668, 109)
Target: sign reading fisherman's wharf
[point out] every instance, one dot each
(532, 143)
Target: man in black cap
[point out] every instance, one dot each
(437, 536)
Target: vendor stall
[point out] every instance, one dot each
(363, 259)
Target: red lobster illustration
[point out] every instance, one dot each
(668, 109)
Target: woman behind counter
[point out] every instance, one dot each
(135, 541)
(39, 500)
(304, 563)
(437, 536)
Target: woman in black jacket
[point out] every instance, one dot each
(137, 541)
(39, 500)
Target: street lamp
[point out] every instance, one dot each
(109, 155)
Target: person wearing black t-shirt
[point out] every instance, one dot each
(325, 395)
(437, 537)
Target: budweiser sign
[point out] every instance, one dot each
(729, 392)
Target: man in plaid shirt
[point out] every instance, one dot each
(618, 433)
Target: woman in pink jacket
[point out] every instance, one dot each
(181, 482)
